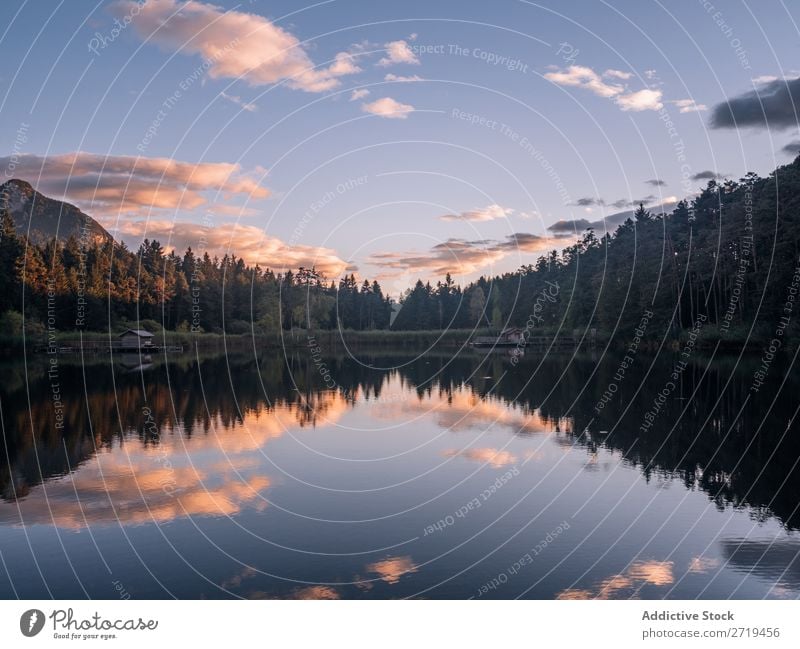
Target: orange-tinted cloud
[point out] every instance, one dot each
(113, 184)
(488, 213)
(462, 256)
(388, 108)
(392, 569)
(132, 484)
(462, 409)
(246, 241)
(626, 585)
(234, 44)
(136, 488)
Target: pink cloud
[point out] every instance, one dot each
(246, 241)
(108, 185)
(388, 108)
(235, 43)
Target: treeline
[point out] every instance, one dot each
(66, 286)
(728, 258)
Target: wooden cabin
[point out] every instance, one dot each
(135, 339)
(510, 336)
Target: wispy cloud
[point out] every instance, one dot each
(765, 78)
(359, 93)
(618, 74)
(611, 221)
(389, 108)
(494, 457)
(402, 79)
(235, 99)
(461, 256)
(123, 184)
(235, 43)
(689, 105)
(583, 77)
(656, 182)
(589, 201)
(488, 213)
(707, 175)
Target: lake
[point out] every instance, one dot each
(452, 474)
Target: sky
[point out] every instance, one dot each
(395, 140)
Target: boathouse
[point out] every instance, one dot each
(135, 338)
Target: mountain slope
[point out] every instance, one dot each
(42, 218)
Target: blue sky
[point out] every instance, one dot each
(480, 125)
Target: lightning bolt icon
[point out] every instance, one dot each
(32, 621)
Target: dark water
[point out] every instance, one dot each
(394, 476)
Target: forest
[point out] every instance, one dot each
(729, 255)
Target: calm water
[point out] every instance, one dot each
(396, 476)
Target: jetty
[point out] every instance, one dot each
(130, 341)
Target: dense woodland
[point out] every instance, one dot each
(730, 255)
(105, 284)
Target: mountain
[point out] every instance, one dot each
(47, 217)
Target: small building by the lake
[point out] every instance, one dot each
(136, 338)
(510, 336)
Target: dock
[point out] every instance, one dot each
(105, 347)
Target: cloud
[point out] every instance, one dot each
(389, 108)
(655, 182)
(571, 226)
(494, 457)
(635, 202)
(398, 52)
(689, 105)
(625, 585)
(234, 44)
(401, 79)
(136, 488)
(707, 175)
(111, 184)
(775, 105)
(618, 74)
(792, 148)
(461, 256)
(236, 211)
(488, 213)
(646, 99)
(465, 412)
(246, 241)
(582, 77)
(765, 78)
(250, 107)
(589, 202)
(611, 221)
(703, 565)
(360, 93)
(392, 569)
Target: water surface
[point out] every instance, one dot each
(391, 476)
